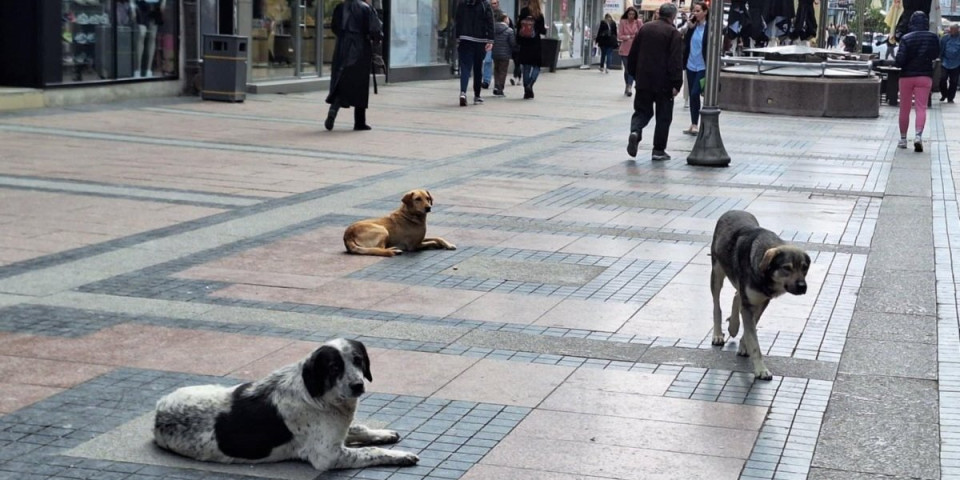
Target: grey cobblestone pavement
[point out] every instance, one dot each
(147, 246)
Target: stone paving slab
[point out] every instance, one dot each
(569, 336)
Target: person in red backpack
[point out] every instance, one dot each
(530, 26)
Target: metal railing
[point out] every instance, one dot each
(849, 68)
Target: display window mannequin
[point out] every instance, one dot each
(149, 17)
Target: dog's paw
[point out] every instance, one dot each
(763, 374)
(390, 436)
(742, 350)
(718, 340)
(405, 459)
(450, 246)
(734, 327)
(395, 250)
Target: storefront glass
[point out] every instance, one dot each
(566, 22)
(118, 39)
(421, 33)
(284, 39)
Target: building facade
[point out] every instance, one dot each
(83, 43)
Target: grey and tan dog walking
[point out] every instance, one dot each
(761, 266)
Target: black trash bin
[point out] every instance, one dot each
(224, 68)
(550, 53)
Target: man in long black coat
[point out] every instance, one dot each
(355, 24)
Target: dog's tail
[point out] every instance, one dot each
(353, 247)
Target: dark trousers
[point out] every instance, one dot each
(605, 53)
(500, 66)
(359, 114)
(471, 58)
(948, 89)
(644, 103)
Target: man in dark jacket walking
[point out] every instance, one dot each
(474, 24)
(355, 24)
(656, 58)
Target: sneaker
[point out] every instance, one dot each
(918, 144)
(498, 93)
(485, 85)
(902, 143)
(660, 155)
(463, 99)
(477, 100)
(513, 81)
(632, 141)
(686, 103)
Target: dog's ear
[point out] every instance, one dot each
(408, 199)
(322, 370)
(768, 257)
(429, 197)
(807, 259)
(360, 349)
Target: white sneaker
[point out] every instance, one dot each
(918, 144)
(686, 103)
(902, 143)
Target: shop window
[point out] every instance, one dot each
(422, 33)
(118, 39)
(566, 25)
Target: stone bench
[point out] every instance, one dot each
(807, 96)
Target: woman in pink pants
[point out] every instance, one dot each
(918, 50)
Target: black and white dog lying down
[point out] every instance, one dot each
(301, 411)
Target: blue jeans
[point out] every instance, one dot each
(471, 58)
(693, 79)
(530, 74)
(488, 68)
(605, 56)
(627, 75)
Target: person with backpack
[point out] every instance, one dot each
(474, 24)
(606, 41)
(504, 43)
(530, 25)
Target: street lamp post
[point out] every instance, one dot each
(709, 151)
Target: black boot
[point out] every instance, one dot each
(527, 93)
(360, 119)
(331, 116)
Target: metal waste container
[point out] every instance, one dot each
(224, 68)
(550, 53)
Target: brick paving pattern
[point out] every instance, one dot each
(148, 247)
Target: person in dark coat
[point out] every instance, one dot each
(356, 25)
(606, 41)
(656, 58)
(474, 25)
(530, 55)
(918, 50)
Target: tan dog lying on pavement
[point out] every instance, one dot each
(401, 231)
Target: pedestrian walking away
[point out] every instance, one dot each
(656, 60)
(356, 26)
(950, 62)
(606, 41)
(530, 26)
(474, 24)
(627, 30)
(918, 50)
(504, 44)
(694, 48)
(488, 57)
